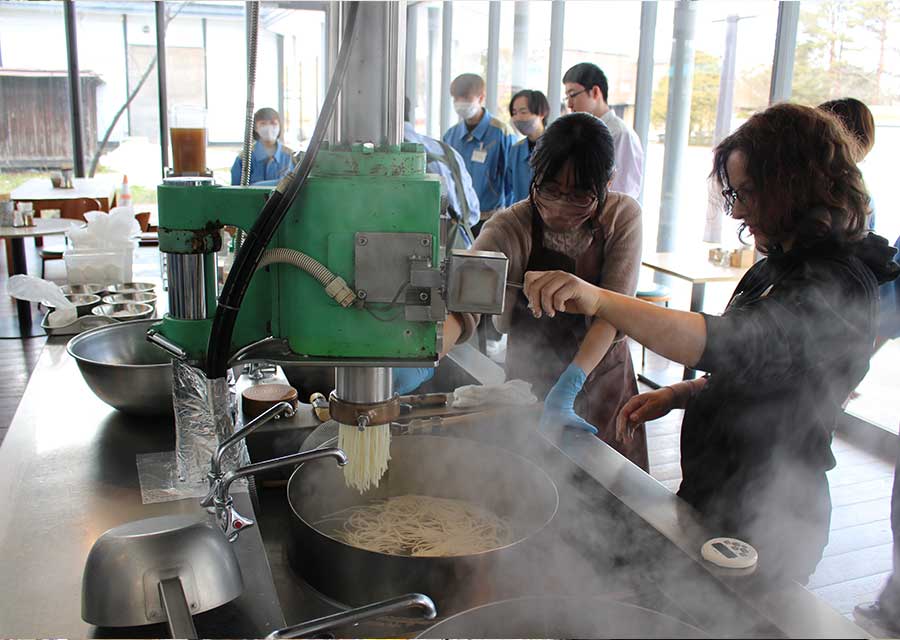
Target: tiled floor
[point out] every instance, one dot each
(857, 560)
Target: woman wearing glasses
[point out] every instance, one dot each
(794, 340)
(569, 222)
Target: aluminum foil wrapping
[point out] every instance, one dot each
(203, 419)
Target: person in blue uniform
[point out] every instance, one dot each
(528, 110)
(270, 159)
(483, 141)
(456, 183)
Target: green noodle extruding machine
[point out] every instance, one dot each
(340, 265)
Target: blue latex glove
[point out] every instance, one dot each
(407, 380)
(559, 405)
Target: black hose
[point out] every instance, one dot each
(270, 217)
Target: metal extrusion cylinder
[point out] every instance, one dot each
(364, 396)
(363, 384)
(186, 274)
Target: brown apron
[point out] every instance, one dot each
(540, 349)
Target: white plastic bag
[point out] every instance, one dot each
(34, 289)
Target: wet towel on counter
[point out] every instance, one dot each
(512, 392)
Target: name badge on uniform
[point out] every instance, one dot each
(479, 155)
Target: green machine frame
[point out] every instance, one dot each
(351, 190)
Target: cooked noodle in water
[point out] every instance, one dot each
(421, 526)
(368, 451)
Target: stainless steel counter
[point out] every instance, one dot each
(67, 474)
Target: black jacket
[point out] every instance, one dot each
(792, 344)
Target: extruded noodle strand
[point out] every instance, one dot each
(368, 451)
(421, 526)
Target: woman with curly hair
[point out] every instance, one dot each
(793, 341)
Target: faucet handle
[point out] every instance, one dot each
(231, 522)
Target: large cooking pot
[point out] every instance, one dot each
(560, 617)
(507, 484)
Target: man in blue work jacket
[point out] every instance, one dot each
(484, 143)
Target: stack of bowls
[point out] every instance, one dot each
(92, 289)
(146, 297)
(128, 301)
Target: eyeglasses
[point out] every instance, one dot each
(576, 198)
(734, 195)
(572, 96)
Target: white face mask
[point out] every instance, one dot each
(267, 132)
(467, 110)
(526, 127)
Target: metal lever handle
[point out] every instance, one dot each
(174, 603)
(354, 616)
(167, 345)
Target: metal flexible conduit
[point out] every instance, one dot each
(247, 149)
(252, 28)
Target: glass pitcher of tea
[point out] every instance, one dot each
(187, 125)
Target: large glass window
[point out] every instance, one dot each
(524, 50)
(118, 44)
(296, 38)
(752, 41)
(427, 103)
(34, 93)
(470, 38)
(850, 49)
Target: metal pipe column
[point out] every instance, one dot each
(372, 95)
(333, 27)
(434, 26)
(160, 6)
(643, 95)
(726, 81)
(785, 45)
(74, 88)
(446, 51)
(520, 47)
(681, 76)
(412, 32)
(493, 57)
(554, 80)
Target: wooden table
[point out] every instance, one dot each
(694, 266)
(24, 326)
(87, 194)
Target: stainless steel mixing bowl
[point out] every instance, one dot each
(94, 289)
(146, 297)
(130, 287)
(123, 369)
(124, 311)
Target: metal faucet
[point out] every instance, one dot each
(354, 616)
(230, 521)
(215, 474)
